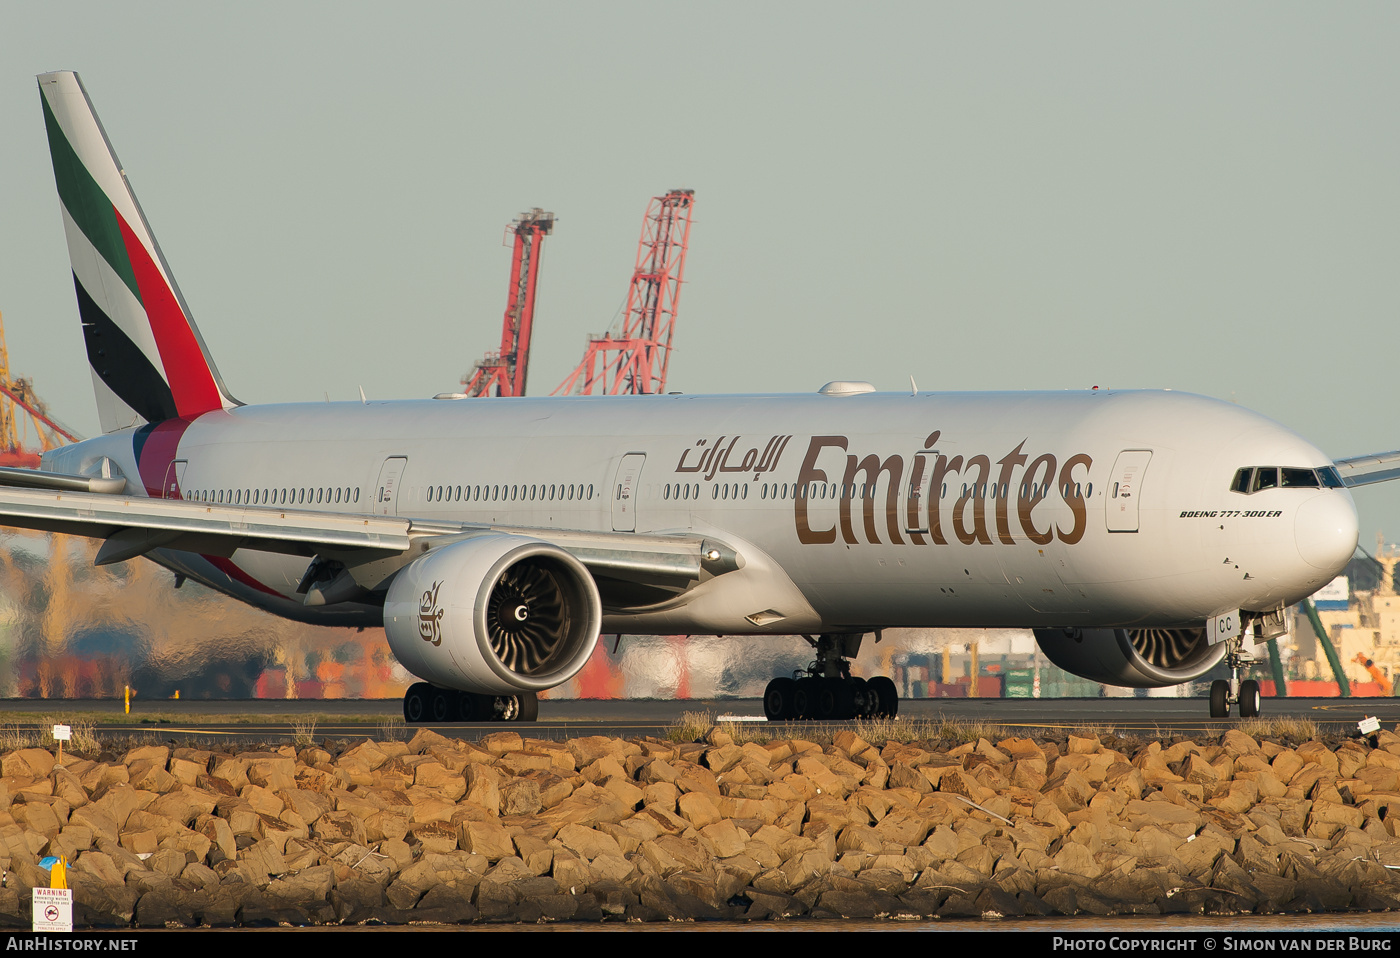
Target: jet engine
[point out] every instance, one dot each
(493, 614)
(1135, 658)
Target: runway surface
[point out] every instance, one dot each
(280, 721)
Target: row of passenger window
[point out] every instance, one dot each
(1265, 478)
(821, 490)
(555, 492)
(1253, 479)
(330, 495)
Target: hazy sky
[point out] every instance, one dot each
(985, 196)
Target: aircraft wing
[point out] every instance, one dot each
(167, 523)
(134, 525)
(1364, 470)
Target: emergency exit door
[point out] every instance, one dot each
(624, 497)
(1125, 489)
(386, 493)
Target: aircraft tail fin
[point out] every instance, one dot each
(149, 362)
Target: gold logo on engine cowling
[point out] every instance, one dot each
(430, 616)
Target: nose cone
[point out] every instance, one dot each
(1326, 531)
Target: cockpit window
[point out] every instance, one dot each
(1264, 478)
(1250, 479)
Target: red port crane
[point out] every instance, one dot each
(20, 409)
(503, 373)
(635, 361)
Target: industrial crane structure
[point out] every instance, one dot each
(21, 410)
(26, 432)
(634, 361)
(1374, 671)
(503, 373)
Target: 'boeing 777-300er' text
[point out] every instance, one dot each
(1146, 536)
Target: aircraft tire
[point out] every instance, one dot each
(887, 695)
(1249, 698)
(527, 707)
(469, 707)
(415, 702)
(520, 707)
(1220, 699)
(828, 700)
(441, 705)
(864, 702)
(778, 699)
(845, 698)
(804, 699)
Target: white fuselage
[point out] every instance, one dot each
(1015, 509)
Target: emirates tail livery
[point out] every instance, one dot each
(1144, 536)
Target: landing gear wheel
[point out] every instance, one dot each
(521, 707)
(778, 700)
(441, 704)
(828, 702)
(1220, 699)
(415, 702)
(863, 701)
(527, 707)
(887, 696)
(845, 698)
(1249, 698)
(827, 691)
(1246, 693)
(804, 699)
(469, 707)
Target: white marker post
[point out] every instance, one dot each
(61, 734)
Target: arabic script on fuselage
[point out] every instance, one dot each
(712, 458)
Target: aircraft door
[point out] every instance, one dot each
(624, 500)
(386, 491)
(173, 475)
(1125, 489)
(919, 498)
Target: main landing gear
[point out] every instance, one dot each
(1246, 693)
(428, 703)
(828, 691)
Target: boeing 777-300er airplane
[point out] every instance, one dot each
(1145, 536)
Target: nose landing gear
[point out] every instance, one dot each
(826, 690)
(1245, 694)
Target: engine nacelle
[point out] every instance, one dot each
(1135, 658)
(495, 614)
